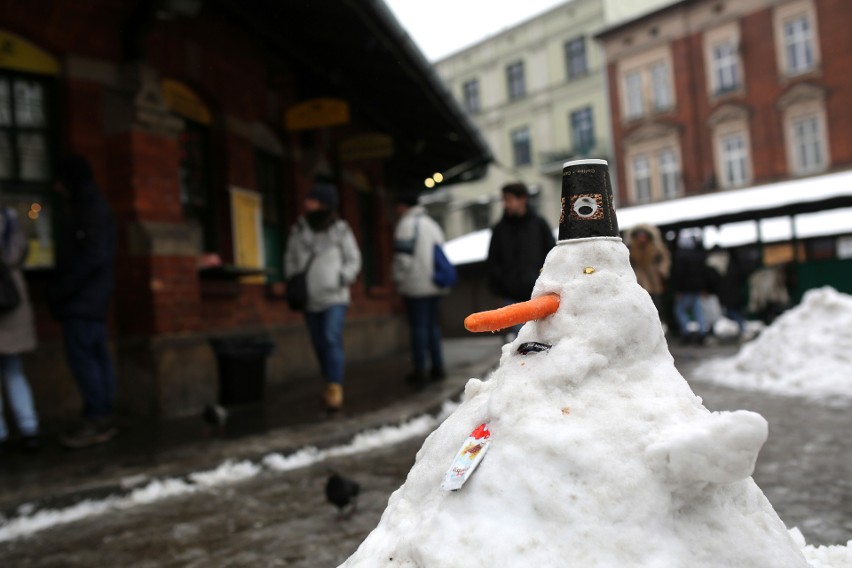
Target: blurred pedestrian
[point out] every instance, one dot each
(730, 286)
(519, 244)
(689, 283)
(81, 295)
(415, 237)
(650, 260)
(323, 244)
(17, 335)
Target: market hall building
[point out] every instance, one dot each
(206, 123)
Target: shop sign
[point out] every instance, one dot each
(183, 101)
(17, 53)
(370, 146)
(317, 113)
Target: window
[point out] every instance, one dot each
(642, 179)
(195, 187)
(734, 158)
(796, 32)
(369, 209)
(268, 173)
(669, 174)
(521, 150)
(24, 154)
(660, 86)
(26, 159)
(575, 57)
(646, 83)
(515, 80)
(798, 41)
(808, 154)
(725, 64)
(582, 130)
(470, 92)
(633, 89)
(653, 168)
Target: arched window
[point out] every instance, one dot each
(28, 140)
(196, 184)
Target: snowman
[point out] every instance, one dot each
(585, 447)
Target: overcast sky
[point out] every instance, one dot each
(443, 27)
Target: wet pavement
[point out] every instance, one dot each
(282, 519)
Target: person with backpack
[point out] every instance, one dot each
(322, 246)
(413, 269)
(17, 334)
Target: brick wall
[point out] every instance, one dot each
(763, 88)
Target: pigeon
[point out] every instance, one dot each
(342, 492)
(216, 416)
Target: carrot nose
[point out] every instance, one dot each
(522, 312)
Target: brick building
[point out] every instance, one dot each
(206, 122)
(710, 95)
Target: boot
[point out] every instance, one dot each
(333, 396)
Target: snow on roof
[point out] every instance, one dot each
(805, 190)
(473, 247)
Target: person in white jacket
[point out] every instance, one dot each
(415, 237)
(326, 241)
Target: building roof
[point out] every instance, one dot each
(642, 18)
(822, 206)
(358, 51)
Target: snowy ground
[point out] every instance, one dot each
(806, 352)
(30, 520)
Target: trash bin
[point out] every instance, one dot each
(242, 367)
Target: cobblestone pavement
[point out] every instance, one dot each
(281, 519)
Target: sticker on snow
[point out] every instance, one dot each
(467, 458)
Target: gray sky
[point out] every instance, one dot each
(442, 27)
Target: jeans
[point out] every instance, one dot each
(88, 358)
(689, 303)
(326, 331)
(20, 397)
(735, 315)
(425, 325)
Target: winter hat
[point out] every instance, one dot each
(325, 193)
(408, 197)
(517, 189)
(587, 208)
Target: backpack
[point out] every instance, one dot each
(444, 274)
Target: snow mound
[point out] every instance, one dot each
(836, 556)
(805, 352)
(600, 454)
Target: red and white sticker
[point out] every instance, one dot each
(467, 458)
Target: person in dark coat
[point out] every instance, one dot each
(81, 295)
(519, 244)
(689, 281)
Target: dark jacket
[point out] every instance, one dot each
(690, 273)
(83, 284)
(516, 254)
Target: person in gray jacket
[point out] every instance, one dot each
(326, 241)
(17, 335)
(415, 237)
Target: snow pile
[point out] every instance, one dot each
(30, 520)
(807, 351)
(600, 454)
(824, 556)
